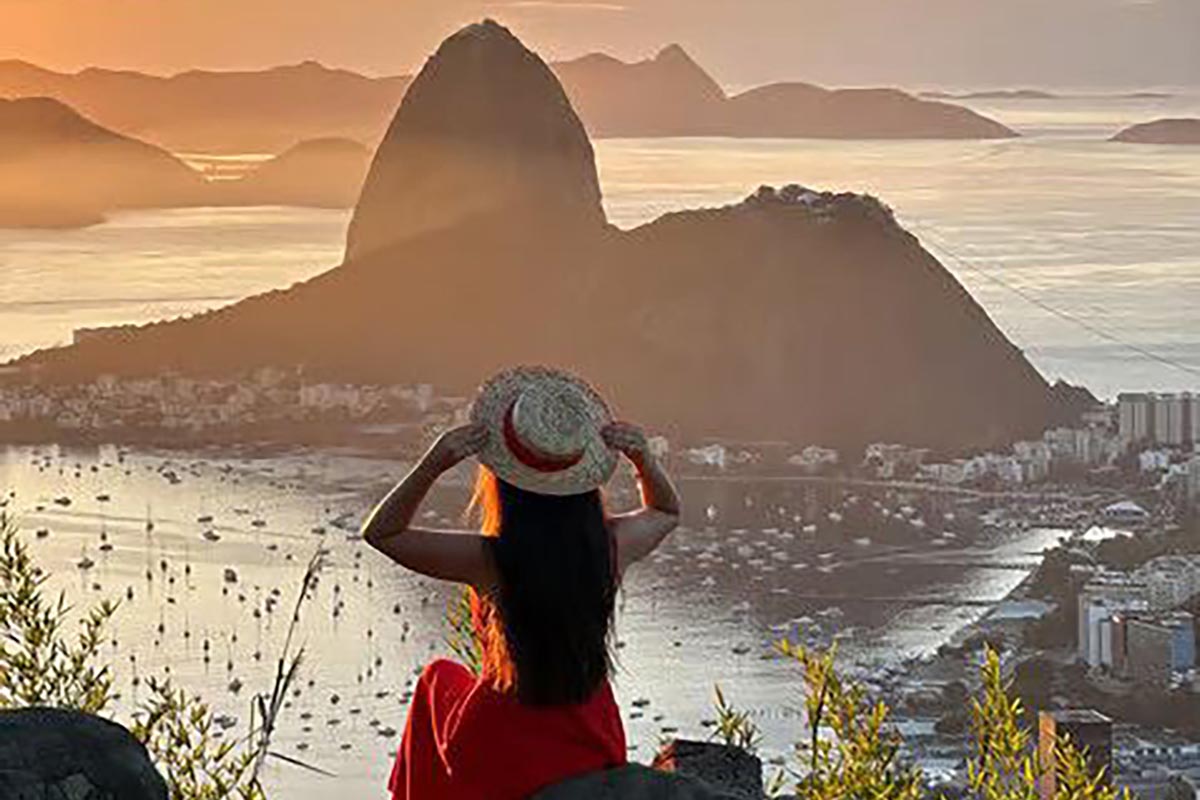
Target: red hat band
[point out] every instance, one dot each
(529, 455)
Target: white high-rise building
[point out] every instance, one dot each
(1102, 597)
(1166, 419)
(1172, 419)
(1135, 416)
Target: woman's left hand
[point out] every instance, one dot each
(628, 439)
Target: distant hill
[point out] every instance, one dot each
(264, 111)
(803, 110)
(319, 173)
(668, 95)
(1162, 131)
(59, 169)
(799, 315)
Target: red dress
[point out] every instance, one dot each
(466, 740)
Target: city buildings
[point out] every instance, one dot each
(893, 460)
(1170, 580)
(814, 459)
(1164, 419)
(1089, 731)
(1125, 512)
(180, 404)
(1131, 625)
(1157, 647)
(1106, 596)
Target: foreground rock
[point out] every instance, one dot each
(480, 241)
(634, 782)
(683, 770)
(729, 768)
(66, 755)
(1162, 131)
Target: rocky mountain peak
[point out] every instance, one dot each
(484, 131)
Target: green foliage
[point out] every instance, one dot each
(40, 664)
(851, 750)
(1006, 766)
(461, 638)
(179, 732)
(734, 727)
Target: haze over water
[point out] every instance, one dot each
(1101, 231)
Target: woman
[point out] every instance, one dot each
(543, 575)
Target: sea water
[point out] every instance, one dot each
(205, 551)
(1077, 247)
(1085, 252)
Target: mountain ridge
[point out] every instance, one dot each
(276, 107)
(796, 314)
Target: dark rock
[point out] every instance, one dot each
(634, 782)
(485, 129)
(731, 769)
(54, 754)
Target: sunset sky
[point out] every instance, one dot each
(1063, 43)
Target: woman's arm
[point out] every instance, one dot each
(453, 556)
(639, 532)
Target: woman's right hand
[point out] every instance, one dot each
(628, 439)
(456, 445)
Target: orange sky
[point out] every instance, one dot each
(906, 42)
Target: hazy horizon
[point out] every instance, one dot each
(967, 44)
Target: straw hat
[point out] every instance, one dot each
(544, 427)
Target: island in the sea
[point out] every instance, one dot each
(667, 95)
(480, 241)
(317, 173)
(1183, 131)
(59, 169)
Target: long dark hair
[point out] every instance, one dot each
(544, 630)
